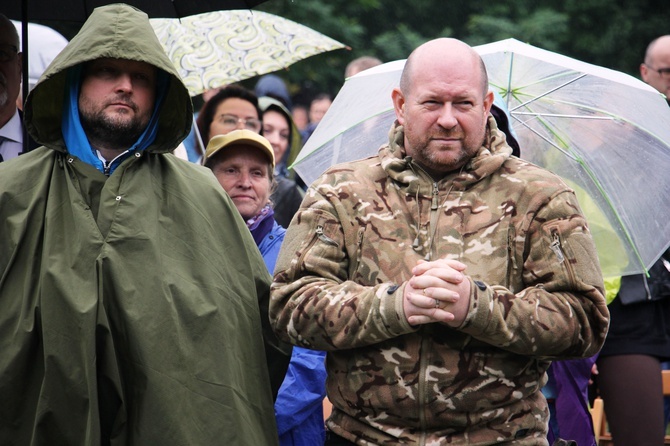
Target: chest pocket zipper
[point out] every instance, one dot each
(324, 238)
(318, 235)
(556, 246)
(359, 252)
(559, 250)
(511, 255)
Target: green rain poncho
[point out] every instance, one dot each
(129, 304)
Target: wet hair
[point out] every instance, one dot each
(206, 115)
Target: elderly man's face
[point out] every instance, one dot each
(444, 113)
(10, 69)
(659, 59)
(116, 100)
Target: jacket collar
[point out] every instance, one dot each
(405, 171)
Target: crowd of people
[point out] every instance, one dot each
(166, 278)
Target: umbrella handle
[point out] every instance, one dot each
(25, 87)
(198, 141)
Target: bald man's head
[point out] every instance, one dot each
(443, 104)
(655, 70)
(444, 47)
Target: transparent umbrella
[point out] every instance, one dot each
(606, 133)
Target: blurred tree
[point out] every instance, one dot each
(610, 33)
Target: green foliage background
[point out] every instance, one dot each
(610, 33)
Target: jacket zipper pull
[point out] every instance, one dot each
(556, 247)
(433, 205)
(323, 237)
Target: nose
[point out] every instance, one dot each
(124, 82)
(447, 119)
(272, 136)
(244, 180)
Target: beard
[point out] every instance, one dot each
(439, 161)
(112, 132)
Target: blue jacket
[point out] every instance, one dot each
(299, 404)
(269, 246)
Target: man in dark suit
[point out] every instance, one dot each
(11, 127)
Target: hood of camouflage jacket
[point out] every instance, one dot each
(115, 31)
(404, 170)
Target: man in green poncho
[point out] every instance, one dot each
(130, 287)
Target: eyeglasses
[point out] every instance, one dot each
(232, 121)
(7, 52)
(663, 72)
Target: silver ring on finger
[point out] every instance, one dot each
(437, 303)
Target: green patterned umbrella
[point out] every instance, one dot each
(218, 48)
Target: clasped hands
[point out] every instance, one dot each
(438, 291)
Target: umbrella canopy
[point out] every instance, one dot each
(46, 43)
(606, 133)
(218, 48)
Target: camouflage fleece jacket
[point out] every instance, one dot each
(537, 295)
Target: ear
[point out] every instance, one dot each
(488, 102)
(19, 61)
(399, 105)
(643, 72)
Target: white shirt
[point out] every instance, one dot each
(11, 145)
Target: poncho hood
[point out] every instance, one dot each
(116, 31)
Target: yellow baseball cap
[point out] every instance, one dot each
(241, 137)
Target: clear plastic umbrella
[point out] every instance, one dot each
(606, 133)
(218, 48)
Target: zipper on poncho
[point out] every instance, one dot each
(107, 165)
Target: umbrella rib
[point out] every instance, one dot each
(307, 156)
(509, 81)
(547, 140)
(560, 115)
(540, 96)
(598, 185)
(626, 233)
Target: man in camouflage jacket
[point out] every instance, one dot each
(442, 275)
